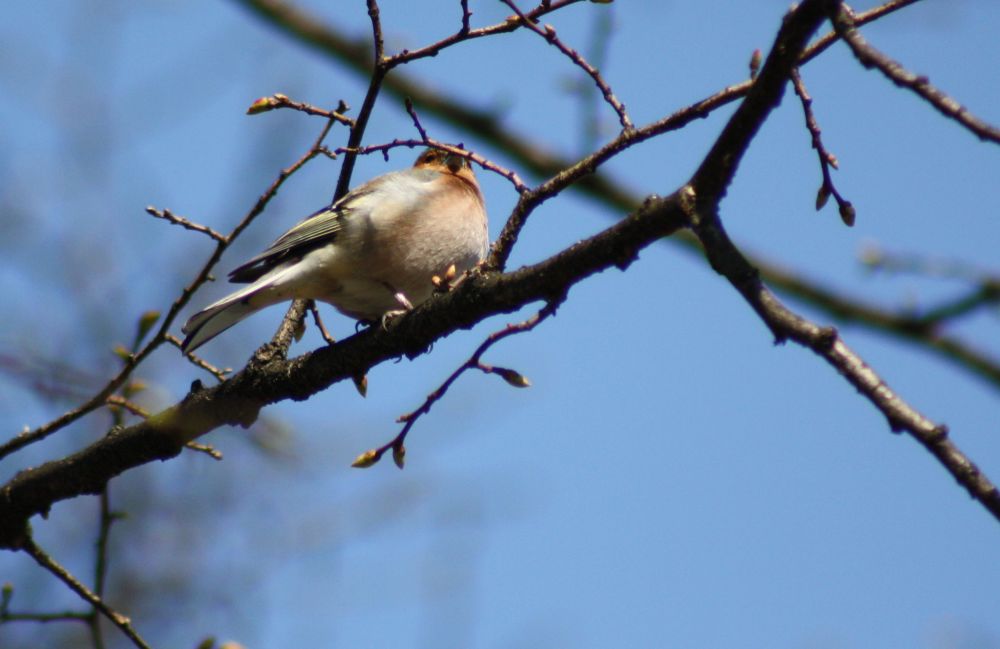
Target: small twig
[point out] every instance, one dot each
(167, 215)
(416, 120)
(464, 33)
(983, 292)
(597, 51)
(218, 373)
(826, 159)
(379, 69)
(870, 57)
(122, 402)
(6, 615)
(384, 149)
(877, 259)
(48, 563)
(397, 445)
(107, 519)
(66, 616)
(975, 299)
(279, 100)
(30, 436)
(548, 32)
(466, 17)
(207, 449)
(823, 43)
(311, 305)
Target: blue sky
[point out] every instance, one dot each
(672, 479)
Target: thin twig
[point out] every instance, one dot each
(48, 563)
(466, 17)
(207, 449)
(397, 444)
(279, 100)
(122, 402)
(167, 215)
(6, 615)
(548, 32)
(489, 165)
(826, 159)
(311, 305)
(107, 519)
(218, 373)
(416, 120)
(31, 436)
(872, 58)
(464, 33)
(379, 69)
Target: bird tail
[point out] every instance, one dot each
(219, 316)
(212, 321)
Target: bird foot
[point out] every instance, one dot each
(389, 316)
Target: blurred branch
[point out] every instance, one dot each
(850, 310)
(6, 615)
(132, 360)
(119, 620)
(270, 377)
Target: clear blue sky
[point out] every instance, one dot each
(672, 479)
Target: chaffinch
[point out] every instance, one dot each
(371, 253)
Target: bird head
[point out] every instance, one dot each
(445, 162)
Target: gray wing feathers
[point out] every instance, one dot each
(322, 227)
(316, 230)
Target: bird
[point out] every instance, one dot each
(371, 254)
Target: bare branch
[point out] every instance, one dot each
(279, 100)
(6, 615)
(167, 215)
(270, 377)
(119, 620)
(489, 165)
(826, 159)
(31, 436)
(218, 373)
(548, 32)
(827, 343)
(872, 58)
(465, 33)
(397, 444)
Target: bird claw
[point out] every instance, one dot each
(389, 316)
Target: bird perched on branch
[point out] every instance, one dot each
(371, 253)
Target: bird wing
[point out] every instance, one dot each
(316, 230)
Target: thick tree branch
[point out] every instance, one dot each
(270, 377)
(614, 192)
(239, 400)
